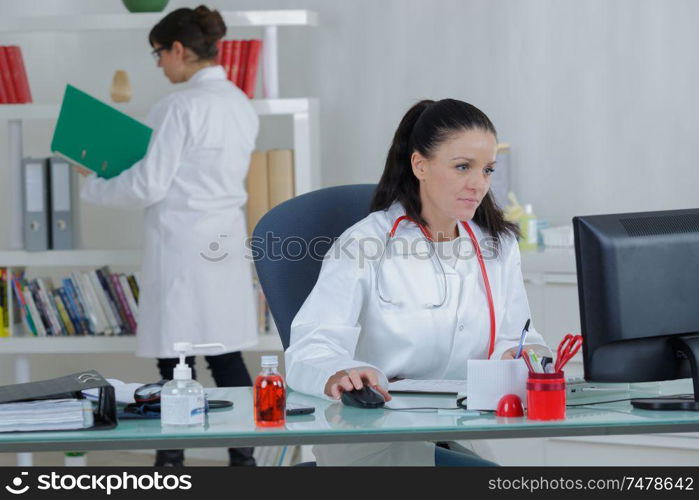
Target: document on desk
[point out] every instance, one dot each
(46, 415)
(428, 386)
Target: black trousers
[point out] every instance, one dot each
(228, 370)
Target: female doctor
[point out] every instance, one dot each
(421, 303)
(196, 284)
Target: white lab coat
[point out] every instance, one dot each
(343, 324)
(196, 282)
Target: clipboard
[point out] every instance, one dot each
(69, 386)
(96, 136)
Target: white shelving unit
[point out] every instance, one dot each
(144, 21)
(304, 112)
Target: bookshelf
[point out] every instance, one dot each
(303, 111)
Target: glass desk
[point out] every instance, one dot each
(333, 422)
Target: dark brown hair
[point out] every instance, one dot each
(423, 128)
(197, 29)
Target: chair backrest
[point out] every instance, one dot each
(290, 241)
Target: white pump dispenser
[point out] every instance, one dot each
(182, 400)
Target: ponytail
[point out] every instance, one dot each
(398, 183)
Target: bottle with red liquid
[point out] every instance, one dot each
(270, 395)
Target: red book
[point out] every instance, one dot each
(252, 65)
(3, 93)
(19, 74)
(244, 51)
(4, 98)
(6, 75)
(123, 303)
(226, 56)
(235, 60)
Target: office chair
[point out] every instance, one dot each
(285, 231)
(319, 217)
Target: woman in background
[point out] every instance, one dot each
(196, 283)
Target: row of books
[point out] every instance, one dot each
(96, 302)
(14, 83)
(270, 181)
(240, 60)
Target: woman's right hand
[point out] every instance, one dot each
(354, 378)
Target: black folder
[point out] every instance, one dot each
(69, 386)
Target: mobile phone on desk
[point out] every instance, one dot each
(292, 409)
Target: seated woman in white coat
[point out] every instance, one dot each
(423, 305)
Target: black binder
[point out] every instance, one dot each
(70, 386)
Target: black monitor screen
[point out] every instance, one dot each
(638, 287)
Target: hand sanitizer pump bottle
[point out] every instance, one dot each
(182, 400)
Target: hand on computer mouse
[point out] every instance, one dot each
(354, 378)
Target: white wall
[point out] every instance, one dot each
(595, 97)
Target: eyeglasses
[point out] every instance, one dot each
(156, 53)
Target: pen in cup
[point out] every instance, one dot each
(547, 364)
(522, 338)
(525, 356)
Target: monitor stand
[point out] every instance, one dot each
(687, 347)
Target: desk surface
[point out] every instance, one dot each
(334, 423)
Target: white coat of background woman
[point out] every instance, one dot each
(196, 284)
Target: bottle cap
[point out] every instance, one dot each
(182, 372)
(270, 361)
(528, 209)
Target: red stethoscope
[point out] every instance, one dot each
(428, 237)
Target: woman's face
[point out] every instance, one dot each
(456, 177)
(172, 61)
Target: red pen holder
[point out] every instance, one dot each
(546, 396)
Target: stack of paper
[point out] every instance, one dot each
(46, 415)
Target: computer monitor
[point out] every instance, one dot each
(638, 288)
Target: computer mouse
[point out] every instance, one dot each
(366, 397)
